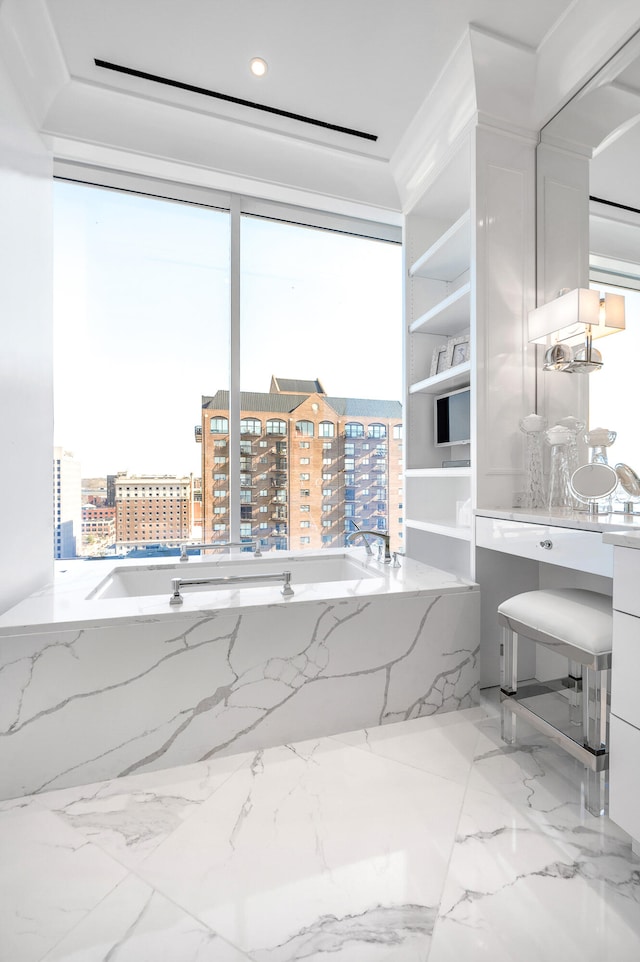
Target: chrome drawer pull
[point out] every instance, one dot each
(546, 544)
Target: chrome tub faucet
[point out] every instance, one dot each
(381, 535)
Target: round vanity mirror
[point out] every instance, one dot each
(629, 480)
(593, 481)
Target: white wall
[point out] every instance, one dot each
(26, 420)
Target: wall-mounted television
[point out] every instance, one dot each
(452, 417)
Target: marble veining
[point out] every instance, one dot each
(82, 705)
(426, 840)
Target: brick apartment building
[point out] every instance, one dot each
(152, 508)
(98, 524)
(310, 466)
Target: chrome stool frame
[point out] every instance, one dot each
(588, 684)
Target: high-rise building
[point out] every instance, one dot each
(312, 466)
(67, 504)
(152, 508)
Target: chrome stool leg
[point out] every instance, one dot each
(575, 692)
(596, 798)
(508, 683)
(508, 730)
(595, 735)
(594, 708)
(509, 661)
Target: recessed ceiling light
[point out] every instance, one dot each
(258, 67)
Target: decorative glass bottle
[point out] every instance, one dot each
(560, 497)
(599, 439)
(532, 427)
(576, 427)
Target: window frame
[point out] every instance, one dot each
(237, 206)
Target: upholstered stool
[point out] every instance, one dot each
(578, 625)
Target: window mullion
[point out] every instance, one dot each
(234, 373)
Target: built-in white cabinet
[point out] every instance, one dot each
(624, 776)
(438, 299)
(469, 274)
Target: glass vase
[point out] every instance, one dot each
(559, 496)
(532, 427)
(599, 439)
(575, 426)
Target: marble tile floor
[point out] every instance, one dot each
(423, 841)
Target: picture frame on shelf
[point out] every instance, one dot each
(459, 350)
(441, 359)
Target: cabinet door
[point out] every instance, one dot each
(626, 596)
(624, 776)
(625, 667)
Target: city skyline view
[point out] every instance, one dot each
(142, 318)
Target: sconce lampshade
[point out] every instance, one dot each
(572, 317)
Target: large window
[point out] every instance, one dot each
(141, 307)
(150, 383)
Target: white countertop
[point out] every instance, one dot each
(64, 604)
(582, 521)
(623, 539)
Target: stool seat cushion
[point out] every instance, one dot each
(581, 618)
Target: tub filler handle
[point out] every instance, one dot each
(178, 583)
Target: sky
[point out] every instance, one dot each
(141, 308)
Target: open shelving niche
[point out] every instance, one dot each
(438, 298)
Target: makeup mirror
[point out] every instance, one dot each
(593, 481)
(629, 480)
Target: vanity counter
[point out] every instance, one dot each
(628, 525)
(623, 539)
(572, 540)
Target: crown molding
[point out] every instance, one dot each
(487, 79)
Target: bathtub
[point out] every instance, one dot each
(141, 580)
(101, 676)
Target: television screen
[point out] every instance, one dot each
(453, 418)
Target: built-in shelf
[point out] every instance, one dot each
(455, 377)
(449, 256)
(449, 317)
(437, 473)
(448, 528)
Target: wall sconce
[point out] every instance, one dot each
(575, 318)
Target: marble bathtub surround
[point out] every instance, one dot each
(72, 599)
(426, 840)
(141, 694)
